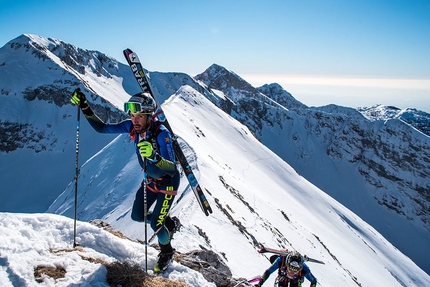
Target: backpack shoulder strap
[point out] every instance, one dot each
(132, 133)
(155, 131)
(282, 265)
(156, 128)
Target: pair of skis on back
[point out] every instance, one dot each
(264, 249)
(142, 79)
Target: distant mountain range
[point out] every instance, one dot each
(374, 160)
(384, 145)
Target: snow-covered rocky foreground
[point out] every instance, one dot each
(31, 240)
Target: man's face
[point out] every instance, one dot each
(140, 122)
(293, 269)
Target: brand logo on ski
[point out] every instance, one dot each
(192, 180)
(134, 58)
(131, 57)
(140, 77)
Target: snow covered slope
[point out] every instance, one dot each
(256, 197)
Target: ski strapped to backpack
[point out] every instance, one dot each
(285, 253)
(142, 80)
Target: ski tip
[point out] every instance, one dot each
(208, 211)
(205, 206)
(126, 52)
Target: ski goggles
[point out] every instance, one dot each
(294, 267)
(133, 107)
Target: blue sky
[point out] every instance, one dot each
(309, 47)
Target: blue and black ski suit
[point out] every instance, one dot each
(162, 179)
(284, 280)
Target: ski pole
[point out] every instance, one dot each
(145, 216)
(76, 175)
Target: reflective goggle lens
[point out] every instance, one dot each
(131, 107)
(294, 267)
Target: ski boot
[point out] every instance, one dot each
(165, 258)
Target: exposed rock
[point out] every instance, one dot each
(210, 265)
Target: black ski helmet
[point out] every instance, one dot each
(140, 103)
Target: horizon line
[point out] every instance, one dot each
(336, 80)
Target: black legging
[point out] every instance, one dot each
(159, 213)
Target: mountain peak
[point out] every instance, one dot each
(216, 73)
(279, 95)
(27, 38)
(64, 54)
(416, 118)
(219, 78)
(215, 66)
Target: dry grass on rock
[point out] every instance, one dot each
(53, 272)
(128, 274)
